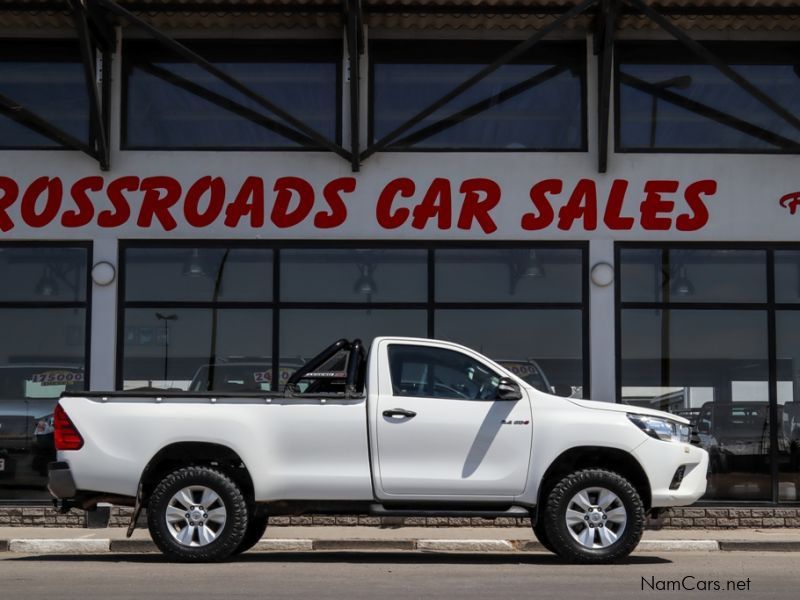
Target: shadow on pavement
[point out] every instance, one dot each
(321, 556)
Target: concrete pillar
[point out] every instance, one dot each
(602, 351)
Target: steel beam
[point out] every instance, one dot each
(195, 58)
(31, 120)
(607, 21)
(98, 134)
(506, 58)
(355, 45)
(714, 61)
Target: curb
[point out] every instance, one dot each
(99, 546)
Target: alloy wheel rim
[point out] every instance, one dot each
(596, 517)
(195, 516)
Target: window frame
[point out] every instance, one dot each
(769, 306)
(234, 49)
(664, 52)
(430, 376)
(430, 305)
(53, 50)
(85, 305)
(466, 51)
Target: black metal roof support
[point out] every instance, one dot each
(195, 58)
(506, 58)
(714, 61)
(225, 103)
(604, 46)
(355, 47)
(98, 135)
(31, 120)
(709, 112)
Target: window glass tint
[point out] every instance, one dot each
(42, 274)
(173, 348)
(358, 275)
(710, 366)
(512, 275)
(42, 354)
(198, 274)
(32, 74)
(543, 347)
(788, 355)
(670, 100)
(534, 103)
(687, 275)
(175, 104)
(787, 276)
(420, 371)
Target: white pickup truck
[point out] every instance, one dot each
(418, 427)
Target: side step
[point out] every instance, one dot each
(483, 511)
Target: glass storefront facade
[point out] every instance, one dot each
(44, 305)
(710, 333)
(266, 310)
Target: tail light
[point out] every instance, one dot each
(66, 436)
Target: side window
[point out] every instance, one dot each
(421, 371)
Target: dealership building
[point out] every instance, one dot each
(601, 194)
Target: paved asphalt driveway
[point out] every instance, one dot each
(389, 576)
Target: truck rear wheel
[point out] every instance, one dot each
(197, 514)
(593, 516)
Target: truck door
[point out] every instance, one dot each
(441, 429)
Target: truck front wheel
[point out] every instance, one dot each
(197, 514)
(593, 516)
(256, 527)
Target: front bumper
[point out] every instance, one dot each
(60, 483)
(661, 460)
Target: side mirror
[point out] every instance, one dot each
(507, 389)
(704, 427)
(562, 389)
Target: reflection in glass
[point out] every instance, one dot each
(669, 100)
(710, 366)
(544, 347)
(354, 275)
(509, 275)
(693, 275)
(174, 104)
(42, 354)
(194, 348)
(787, 276)
(533, 103)
(43, 274)
(788, 355)
(198, 274)
(33, 73)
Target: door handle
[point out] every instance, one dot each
(399, 412)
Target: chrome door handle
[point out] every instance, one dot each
(399, 412)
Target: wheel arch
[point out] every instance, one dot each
(602, 457)
(185, 454)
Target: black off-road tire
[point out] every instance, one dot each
(541, 535)
(256, 527)
(554, 517)
(228, 539)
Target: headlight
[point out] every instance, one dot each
(662, 429)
